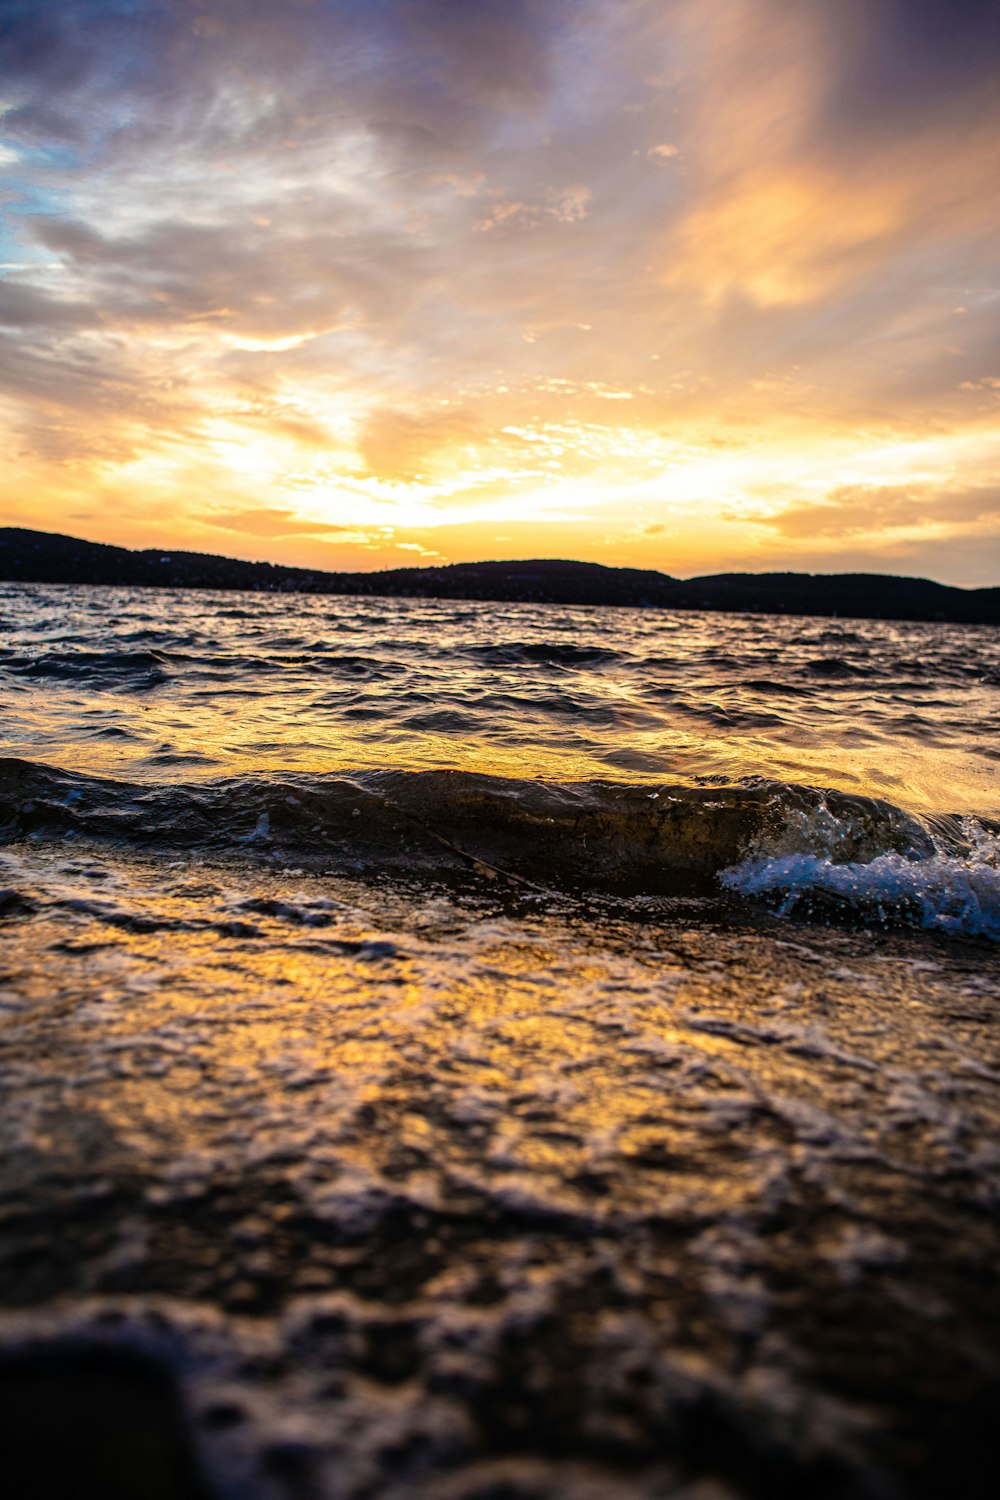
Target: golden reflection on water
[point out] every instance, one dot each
(395, 1147)
(589, 1070)
(489, 1056)
(903, 711)
(951, 779)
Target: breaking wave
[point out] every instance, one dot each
(948, 881)
(943, 892)
(797, 848)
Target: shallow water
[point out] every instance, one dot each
(419, 1192)
(516, 1053)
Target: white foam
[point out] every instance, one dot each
(948, 892)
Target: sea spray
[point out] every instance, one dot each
(941, 890)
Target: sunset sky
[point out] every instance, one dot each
(699, 285)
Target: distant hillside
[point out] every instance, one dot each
(44, 557)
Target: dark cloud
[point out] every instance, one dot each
(251, 276)
(125, 74)
(64, 377)
(497, 51)
(25, 306)
(47, 47)
(900, 64)
(40, 124)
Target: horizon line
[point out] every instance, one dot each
(487, 562)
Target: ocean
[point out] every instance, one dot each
(486, 1051)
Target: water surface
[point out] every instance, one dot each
(495, 1052)
(150, 684)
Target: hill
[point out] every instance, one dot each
(46, 557)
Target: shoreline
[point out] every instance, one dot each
(490, 1197)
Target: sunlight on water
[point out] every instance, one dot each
(157, 685)
(448, 1037)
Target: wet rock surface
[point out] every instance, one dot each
(94, 1423)
(415, 1193)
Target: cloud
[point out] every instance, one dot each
(798, 204)
(402, 445)
(565, 206)
(25, 306)
(904, 64)
(269, 521)
(248, 245)
(783, 238)
(866, 510)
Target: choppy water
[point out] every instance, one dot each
(594, 746)
(489, 1051)
(154, 684)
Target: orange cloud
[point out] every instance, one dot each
(265, 521)
(780, 239)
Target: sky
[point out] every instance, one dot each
(696, 285)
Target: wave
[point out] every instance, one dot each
(948, 881)
(797, 848)
(142, 669)
(135, 671)
(836, 666)
(543, 653)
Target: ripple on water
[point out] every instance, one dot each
(563, 694)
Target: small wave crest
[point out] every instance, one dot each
(835, 666)
(135, 671)
(954, 887)
(544, 653)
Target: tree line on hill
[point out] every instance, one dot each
(46, 557)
